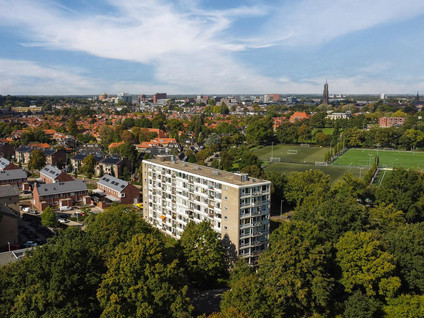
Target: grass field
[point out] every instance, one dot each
(387, 158)
(303, 155)
(335, 172)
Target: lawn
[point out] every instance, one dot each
(335, 172)
(387, 158)
(326, 131)
(292, 153)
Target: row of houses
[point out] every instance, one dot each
(60, 189)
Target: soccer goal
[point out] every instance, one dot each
(304, 145)
(274, 159)
(292, 151)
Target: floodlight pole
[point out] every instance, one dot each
(281, 208)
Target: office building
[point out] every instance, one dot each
(236, 206)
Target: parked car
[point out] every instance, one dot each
(33, 212)
(26, 209)
(61, 220)
(65, 208)
(30, 244)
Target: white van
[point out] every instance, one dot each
(65, 208)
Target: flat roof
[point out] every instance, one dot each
(208, 172)
(12, 256)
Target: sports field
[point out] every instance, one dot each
(291, 153)
(387, 158)
(335, 172)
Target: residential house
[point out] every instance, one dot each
(22, 154)
(113, 166)
(298, 116)
(9, 197)
(55, 157)
(76, 161)
(118, 190)
(93, 149)
(7, 150)
(335, 116)
(14, 177)
(8, 227)
(7, 165)
(51, 174)
(59, 194)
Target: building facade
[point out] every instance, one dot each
(391, 121)
(13, 177)
(118, 190)
(50, 174)
(236, 206)
(52, 194)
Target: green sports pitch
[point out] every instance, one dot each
(291, 153)
(387, 158)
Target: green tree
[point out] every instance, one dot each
(203, 254)
(248, 158)
(406, 244)
(302, 184)
(386, 217)
(333, 214)
(247, 294)
(58, 280)
(114, 226)
(88, 164)
(360, 305)
(405, 306)
(260, 131)
(37, 160)
(72, 127)
(412, 138)
(294, 269)
(48, 217)
(365, 264)
(127, 150)
(142, 282)
(106, 135)
(404, 189)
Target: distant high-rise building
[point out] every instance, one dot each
(382, 96)
(158, 96)
(103, 96)
(325, 94)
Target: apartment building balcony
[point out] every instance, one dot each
(245, 225)
(258, 243)
(257, 233)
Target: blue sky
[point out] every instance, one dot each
(53, 47)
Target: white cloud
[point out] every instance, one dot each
(19, 77)
(190, 50)
(312, 22)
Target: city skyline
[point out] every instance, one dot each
(204, 47)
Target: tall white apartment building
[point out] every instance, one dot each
(236, 206)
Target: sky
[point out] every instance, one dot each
(81, 47)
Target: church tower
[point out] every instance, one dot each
(325, 94)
